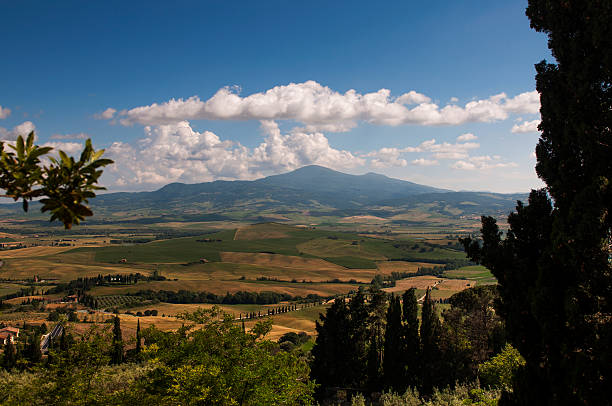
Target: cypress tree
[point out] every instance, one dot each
(412, 343)
(117, 345)
(374, 364)
(138, 339)
(10, 356)
(376, 322)
(63, 344)
(331, 353)
(393, 354)
(33, 353)
(430, 344)
(553, 267)
(358, 339)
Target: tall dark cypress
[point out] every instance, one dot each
(393, 354)
(412, 342)
(138, 338)
(331, 353)
(554, 265)
(9, 360)
(430, 344)
(358, 339)
(376, 322)
(33, 353)
(117, 345)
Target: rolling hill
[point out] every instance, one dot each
(311, 190)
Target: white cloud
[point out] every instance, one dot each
(386, 157)
(319, 107)
(71, 148)
(77, 136)
(107, 114)
(447, 150)
(412, 97)
(526, 127)
(482, 162)
(177, 153)
(4, 112)
(466, 137)
(22, 129)
(424, 162)
(454, 100)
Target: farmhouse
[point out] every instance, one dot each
(12, 244)
(8, 335)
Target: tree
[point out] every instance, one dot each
(412, 343)
(553, 267)
(358, 339)
(331, 352)
(393, 353)
(500, 369)
(430, 344)
(117, 348)
(33, 353)
(376, 322)
(63, 186)
(10, 356)
(139, 338)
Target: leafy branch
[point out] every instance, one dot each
(64, 185)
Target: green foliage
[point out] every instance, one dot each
(211, 362)
(218, 364)
(460, 395)
(412, 342)
(553, 267)
(430, 345)
(394, 347)
(65, 185)
(117, 349)
(499, 370)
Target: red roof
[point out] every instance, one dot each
(12, 330)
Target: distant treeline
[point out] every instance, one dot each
(275, 279)
(80, 285)
(131, 240)
(388, 281)
(241, 297)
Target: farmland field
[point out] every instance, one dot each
(268, 257)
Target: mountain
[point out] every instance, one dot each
(311, 186)
(312, 191)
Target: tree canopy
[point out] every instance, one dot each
(63, 185)
(553, 265)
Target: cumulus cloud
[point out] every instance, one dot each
(321, 108)
(107, 114)
(482, 162)
(4, 112)
(71, 148)
(424, 162)
(445, 150)
(526, 127)
(178, 153)
(22, 129)
(77, 136)
(466, 137)
(412, 97)
(386, 157)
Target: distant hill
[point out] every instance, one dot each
(308, 191)
(313, 186)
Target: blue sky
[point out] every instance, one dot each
(439, 92)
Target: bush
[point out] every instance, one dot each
(499, 370)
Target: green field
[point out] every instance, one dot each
(477, 273)
(346, 249)
(266, 257)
